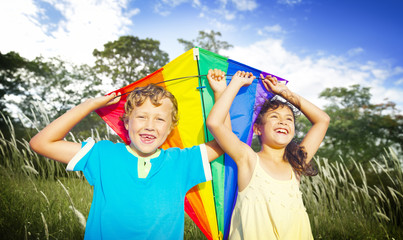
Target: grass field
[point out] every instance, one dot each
(39, 200)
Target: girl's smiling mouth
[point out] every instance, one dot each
(281, 130)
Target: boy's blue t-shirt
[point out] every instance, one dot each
(127, 207)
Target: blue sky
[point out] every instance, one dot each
(314, 44)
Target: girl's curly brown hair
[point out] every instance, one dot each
(294, 153)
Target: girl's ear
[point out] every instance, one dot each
(256, 129)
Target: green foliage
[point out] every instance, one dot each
(207, 41)
(52, 86)
(61, 86)
(358, 129)
(129, 59)
(13, 84)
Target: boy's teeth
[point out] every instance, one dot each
(148, 136)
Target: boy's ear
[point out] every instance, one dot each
(172, 128)
(126, 125)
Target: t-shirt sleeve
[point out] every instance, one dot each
(86, 160)
(196, 165)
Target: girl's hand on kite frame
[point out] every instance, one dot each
(217, 80)
(243, 78)
(272, 84)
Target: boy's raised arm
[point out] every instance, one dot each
(49, 141)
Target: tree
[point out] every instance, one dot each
(42, 90)
(61, 86)
(13, 84)
(206, 41)
(358, 129)
(129, 59)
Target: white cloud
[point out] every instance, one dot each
(220, 26)
(196, 3)
(175, 3)
(229, 15)
(289, 2)
(19, 23)
(84, 25)
(240, 5)
(355, 51)
(270, 29)
(399, 82)
(245, 5)
(310, 75)
(164, 7)
(161, 9)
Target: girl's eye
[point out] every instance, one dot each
(141, 117)
(161, 119)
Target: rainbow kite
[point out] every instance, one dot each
(208, 204)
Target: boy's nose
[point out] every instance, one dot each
(149, 125)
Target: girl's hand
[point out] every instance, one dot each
(244, 78)
(273, 85)
(216, 79)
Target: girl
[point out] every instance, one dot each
(269, 203)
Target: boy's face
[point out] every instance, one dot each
(149, 126)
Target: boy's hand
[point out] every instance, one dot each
(103, 101)
(113, 99)
(243, 78)
(273, 85)
(217, 80)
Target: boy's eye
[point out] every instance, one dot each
(161, 119)
(141, 117)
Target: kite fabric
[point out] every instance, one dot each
(208, 204)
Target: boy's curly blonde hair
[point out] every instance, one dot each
(155, 94)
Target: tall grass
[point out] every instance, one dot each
(40, 200)
(342, 205)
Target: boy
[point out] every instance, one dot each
(139, 189)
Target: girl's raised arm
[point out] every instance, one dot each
(319, 119)
(228, 141)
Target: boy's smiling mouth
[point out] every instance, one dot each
(147, 138)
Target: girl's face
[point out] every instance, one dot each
(277, 128)
(149, 126)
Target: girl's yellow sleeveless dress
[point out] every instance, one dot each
(270, 209)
